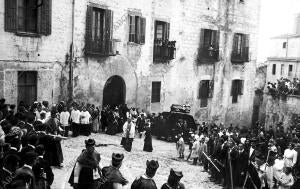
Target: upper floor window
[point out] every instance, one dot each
(99, 31)
(240, 49)
(206, 88)
(137, 30)
(209, 46)
(284, 45)
(237, 89)
(163, 48)
(28, 16)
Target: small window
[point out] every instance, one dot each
(137, 26)
(205, 92)
(284, 45)
(282, 69)
(237, 89)
(155, 97)
(274, 69)
(290, 70)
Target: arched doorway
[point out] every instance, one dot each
(114, 92)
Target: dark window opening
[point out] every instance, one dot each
(284, 45)
(137, 29)
(156, 86)
(205, 92)
(240, 49)
(282, 69)
(209, 46)
(27, 87)
(290, 70)
(99, 32)
(28, 17)
(274, 69)
(237, 89)
(164, 49)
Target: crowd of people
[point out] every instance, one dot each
(30, 145)
(88, 173)
(237, 158)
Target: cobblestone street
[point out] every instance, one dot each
(134, 163)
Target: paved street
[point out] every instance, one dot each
(134, 162)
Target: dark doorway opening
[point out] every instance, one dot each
(114, 92)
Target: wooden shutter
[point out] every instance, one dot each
(241, 87)
(88, 30)
(108, 31)
(10, 20)
(167, 31)
(204, 89)
(211, 89)
(246, 47)
(131, 21)
(216, 44)
(143, 30)
(46, 15)
(137, 29)
(235, 43)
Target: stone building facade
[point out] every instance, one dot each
(283, 62)
(148, 54)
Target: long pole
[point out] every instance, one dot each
(230, 169)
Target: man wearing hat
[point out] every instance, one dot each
(113, 177)
(174, 181)
(145, 181)
(87, 170)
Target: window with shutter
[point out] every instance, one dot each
(164, 50)
(26, 17)
(209, 46)
(240, 48)
(136, 29)
(99, 31)
(27, 86)
(205, 92)
(155, 96)
(237, 88)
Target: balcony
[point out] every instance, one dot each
(163, 50)
(240, 57)
(208, 55)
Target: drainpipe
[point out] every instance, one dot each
(71, 56)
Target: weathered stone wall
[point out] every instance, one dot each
(180, 77)
(45, 54)
(278, 110)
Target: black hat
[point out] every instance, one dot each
(176, 175)
(153, 165)
(45, 103)
(117, 159)
(90, 142)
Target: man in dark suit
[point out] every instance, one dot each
(42, 170)
(25, 173)
(15, 144)
(11, 163)
(30, 147)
